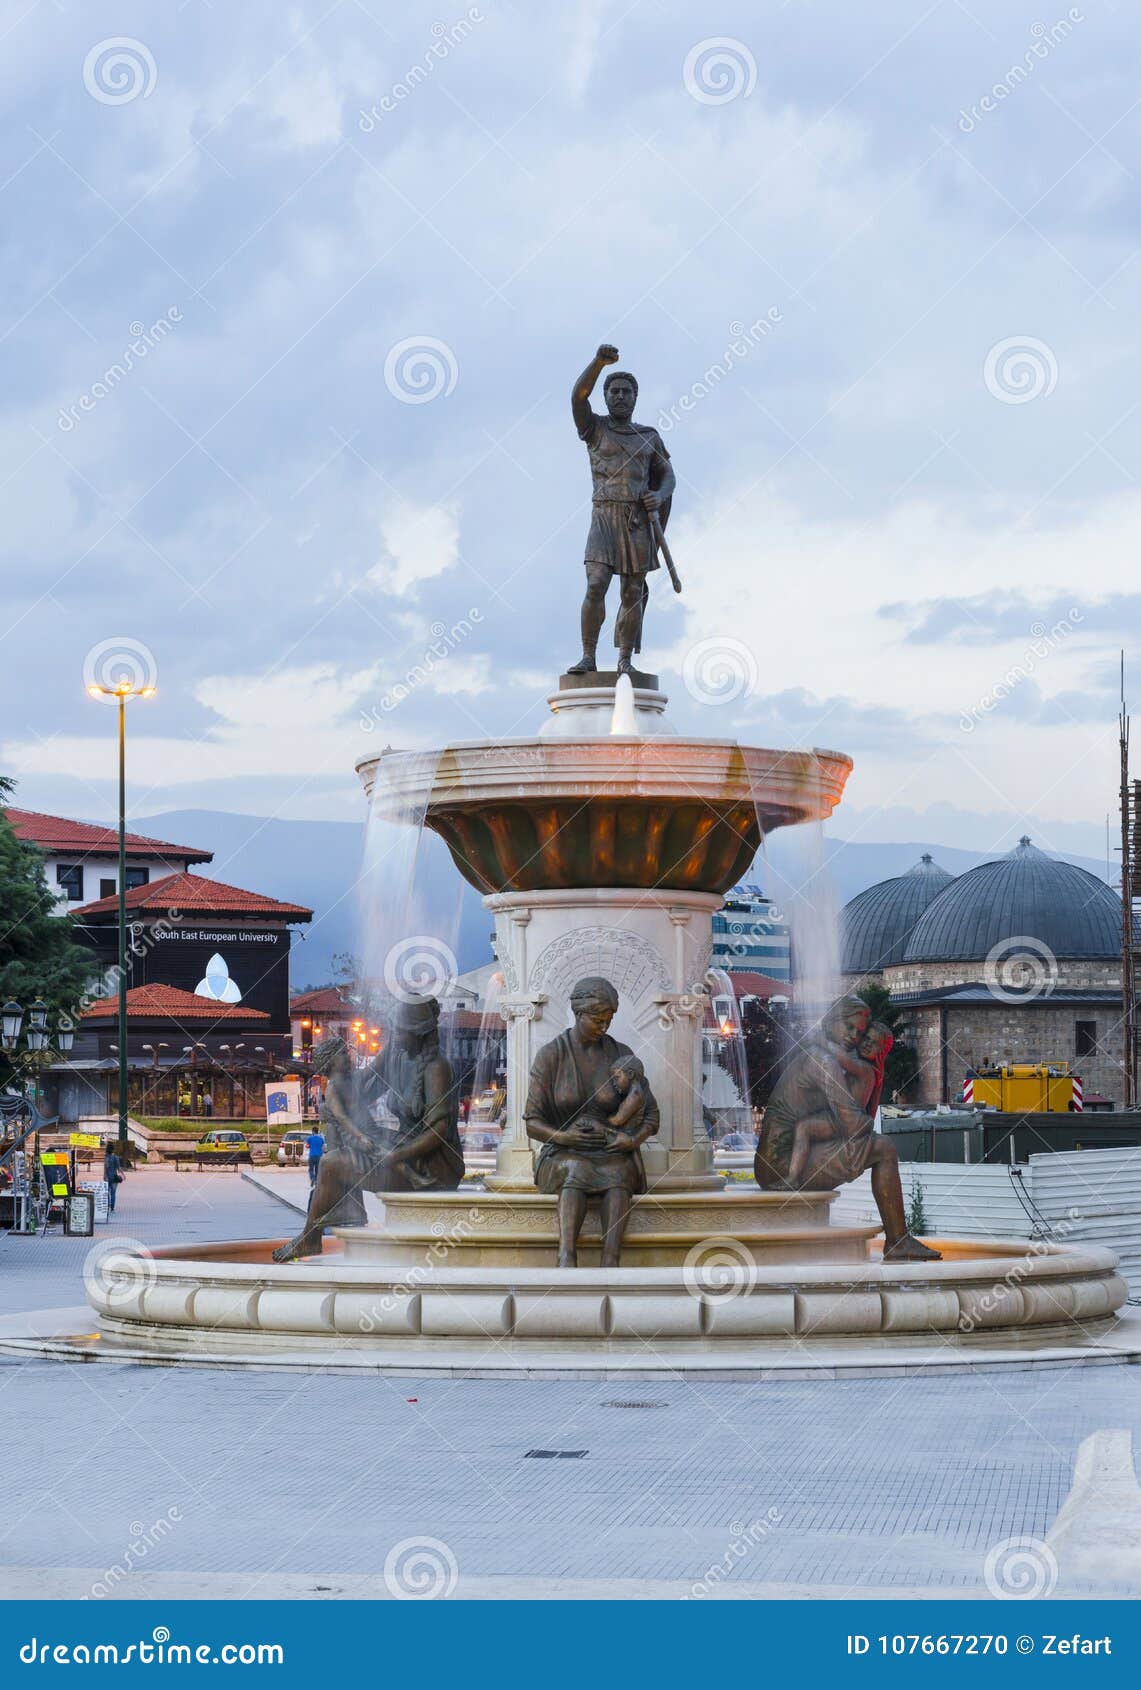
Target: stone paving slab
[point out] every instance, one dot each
(888, 1485)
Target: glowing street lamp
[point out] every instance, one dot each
(121, 690)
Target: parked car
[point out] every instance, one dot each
(294, 1147)
(223, 1148)
(478, 1139)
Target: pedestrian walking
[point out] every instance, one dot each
(316, 1144)
(112, 1173)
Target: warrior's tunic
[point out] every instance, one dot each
(626, 460)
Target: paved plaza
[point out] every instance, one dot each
(236, 1482)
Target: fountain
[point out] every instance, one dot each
(601, 853)
(602, 845)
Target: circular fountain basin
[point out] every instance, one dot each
(541, 814)
(987, 1304)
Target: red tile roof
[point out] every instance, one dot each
(326, 1000)
(193, 892)
(747, 984)
(80, 839)
(170, 1003)
(471, 1020)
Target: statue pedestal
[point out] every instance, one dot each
(583, 707)
(699, 1232)
(654, 947)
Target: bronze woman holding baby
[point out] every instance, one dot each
(591, 1109)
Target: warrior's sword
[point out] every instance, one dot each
(659, 540)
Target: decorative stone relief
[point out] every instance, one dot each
(632, 964)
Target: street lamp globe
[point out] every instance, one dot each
(11, 1019)
(37, 1025)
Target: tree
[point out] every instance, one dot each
(902, 1068)
(39, 956)
(765, 1034)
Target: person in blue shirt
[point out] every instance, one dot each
(316, 1144)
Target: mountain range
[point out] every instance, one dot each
(318, 863)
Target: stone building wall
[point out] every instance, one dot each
(929, 976)
(1002, 1032)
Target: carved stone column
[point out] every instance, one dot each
(514, 1168)
(689, 1154)
(652, 946)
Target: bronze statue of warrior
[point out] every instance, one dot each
(633, 483)
(422, 1153)
(818, 1127)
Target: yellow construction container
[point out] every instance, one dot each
(1023, 1087)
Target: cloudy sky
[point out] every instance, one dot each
(295, 295)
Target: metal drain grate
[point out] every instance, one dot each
(554, 1455)
(618, 1403)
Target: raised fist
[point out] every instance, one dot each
(607, 354)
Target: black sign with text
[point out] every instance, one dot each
(217, 961)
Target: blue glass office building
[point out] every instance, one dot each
(750, 935)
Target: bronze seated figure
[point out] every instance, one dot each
(818, 1126)
(590, 1107)
(423, 1152)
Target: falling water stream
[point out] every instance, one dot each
(410, 897)
(624, 719)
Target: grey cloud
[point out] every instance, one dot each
(223, 501)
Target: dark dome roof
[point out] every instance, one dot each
(1025, 894)
(875, 925)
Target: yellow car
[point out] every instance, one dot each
(223, 1148)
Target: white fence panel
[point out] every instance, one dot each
(960, 1202)
(1090, 1196)
(1094, 1196)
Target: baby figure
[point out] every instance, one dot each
(864, 1065)
(618, 1107)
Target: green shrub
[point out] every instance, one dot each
(196, 1126)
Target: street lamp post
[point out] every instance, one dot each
(121, 691)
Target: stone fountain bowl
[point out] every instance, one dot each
(677, 814)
